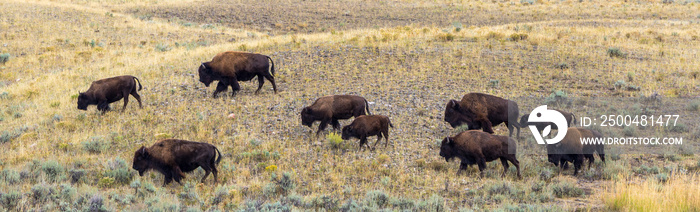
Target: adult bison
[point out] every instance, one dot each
(571, 149)
(570, 121)
(105, 91)
(231, 67)
(364, 126)
(172, 157)
(477, 147)
(479, 111)
(329, 109)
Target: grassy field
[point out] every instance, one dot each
(406, 57)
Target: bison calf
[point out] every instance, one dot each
(172, 157)
(329, 109)
(570, 149)
(105, 91)
(364, 126)
(479, 111)
(477, 147)
(231, 67)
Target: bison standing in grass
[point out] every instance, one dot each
(329, 109)
(570, 149)
(231, 67)
(365, 126)
(570, 121)
(172, 157)
(477, 147)
(479, 111)
(105, 91)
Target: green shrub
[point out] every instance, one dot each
(326, 202)
(53, 170)
(189, 194)
(557, 97)
(75, 175)
(7, 136)
(562, 65)
(694, 106)
(67, 192)
(494, 83)
(4, 57)
(95, 145)
(566, 189)
(518, 37)
(10, 176)
(162, 47)
(335, 141)
(9, 200)
(41, 192)
(119, 170)
(96, 204)
(376, 198)
(434, 203)
(616, 52)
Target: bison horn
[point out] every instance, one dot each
(204, 66)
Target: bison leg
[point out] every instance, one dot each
(235, 87)
(335, 123)
(126, 102)
(137, 96)
(488, 127)
(261, 81)
(578, 161)
(167, 178)
(321, 127)
(504, 162)
(272, 80)
(379, 138)
(462, 167)
(220, 87)
(591, 159)
(103, 106)
(386, 136)
(207, 170)
(482, 165)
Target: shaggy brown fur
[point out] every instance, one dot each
(364, 126)
(477, 147)
(172, 157)
(329, 109)
(570, 149)
(231, 67)
(105, 91)
(479, 111)
(570, 120)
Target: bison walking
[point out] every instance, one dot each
(570, 121)
(231, 67)
(570, 149)
(105, 91)
(477, 147)
(479, 111)
(364, 126)
(172, 157)
(329, 109)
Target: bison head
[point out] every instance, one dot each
(141, 160)
(553, 155)
(205, 74)
(455, 115)
(447, 149)
(307, 117)
(83, 101)
(348, 132)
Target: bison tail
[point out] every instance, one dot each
(272, 67)
(138, 81)
(220, 156)
(367, 107)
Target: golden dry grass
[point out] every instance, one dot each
(409, 72)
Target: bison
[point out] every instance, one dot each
(479, 111)
(570, 149)
(570, 120)
(477, 147)
(172, 157)
(364, 126)
(329, 109)
(105, 91)
(231, 67)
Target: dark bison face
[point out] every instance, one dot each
(83, 101)
(348, 132)
(447, 149)
(307, 117)
(141, 160)
(205, 75)
(552, 154)
(456, 116)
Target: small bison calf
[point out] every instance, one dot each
(477, 147)
(365, 126)
(105, 91)
(172, 157)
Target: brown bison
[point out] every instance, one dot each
(570, 149)
(231, 67)
(172, 157)
(105, 91)
(477, 147)
(329, 109)
(479, 111)
(570, 120)
(364, 126)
